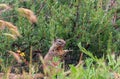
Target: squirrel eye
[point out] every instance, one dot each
(59, 41)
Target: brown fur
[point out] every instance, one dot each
(56, 50)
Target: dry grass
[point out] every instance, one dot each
(16, 56)
(13, 29)
(4, 7)
(20, 76)
(2, 25)
(28, 14)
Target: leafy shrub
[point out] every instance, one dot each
(89, 22)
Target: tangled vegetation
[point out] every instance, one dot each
(91, 28)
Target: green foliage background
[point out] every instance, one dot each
(85, 21)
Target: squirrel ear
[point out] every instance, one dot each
(55, 39)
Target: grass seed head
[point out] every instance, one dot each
(4, 6)
(10, 35)
(33, 19)
(2, 25)
(28, 14)
(11, 27)
(16, 56)
(15, 32)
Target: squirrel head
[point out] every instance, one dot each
(59, 42)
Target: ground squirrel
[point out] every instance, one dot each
(56, 50)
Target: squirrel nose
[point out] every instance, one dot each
(64, 42)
